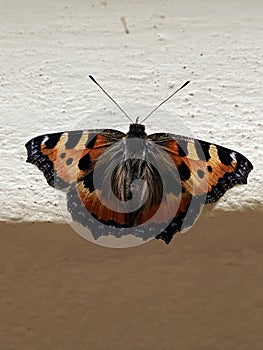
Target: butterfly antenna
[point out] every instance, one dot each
(168, 98)
(105, 92)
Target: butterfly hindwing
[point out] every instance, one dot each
(106, 191)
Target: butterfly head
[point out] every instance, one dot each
(137, 130)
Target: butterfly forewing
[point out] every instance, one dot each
(61, 156)
(205, 168)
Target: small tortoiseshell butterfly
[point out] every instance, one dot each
(103, 171)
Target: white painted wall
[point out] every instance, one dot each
(47, 49)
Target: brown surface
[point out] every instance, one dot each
(204, 291)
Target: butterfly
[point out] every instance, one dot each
(146, 185)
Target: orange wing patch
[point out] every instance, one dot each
(63, 156)
(65, 161)
(206, 169)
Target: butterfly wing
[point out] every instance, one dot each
(205, 168)
(206, 171)
(60, 156)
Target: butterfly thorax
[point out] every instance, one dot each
(137, 130)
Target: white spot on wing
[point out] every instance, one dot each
(45, 139)
(233, 156)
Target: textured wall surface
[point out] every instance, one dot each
(48, 49)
